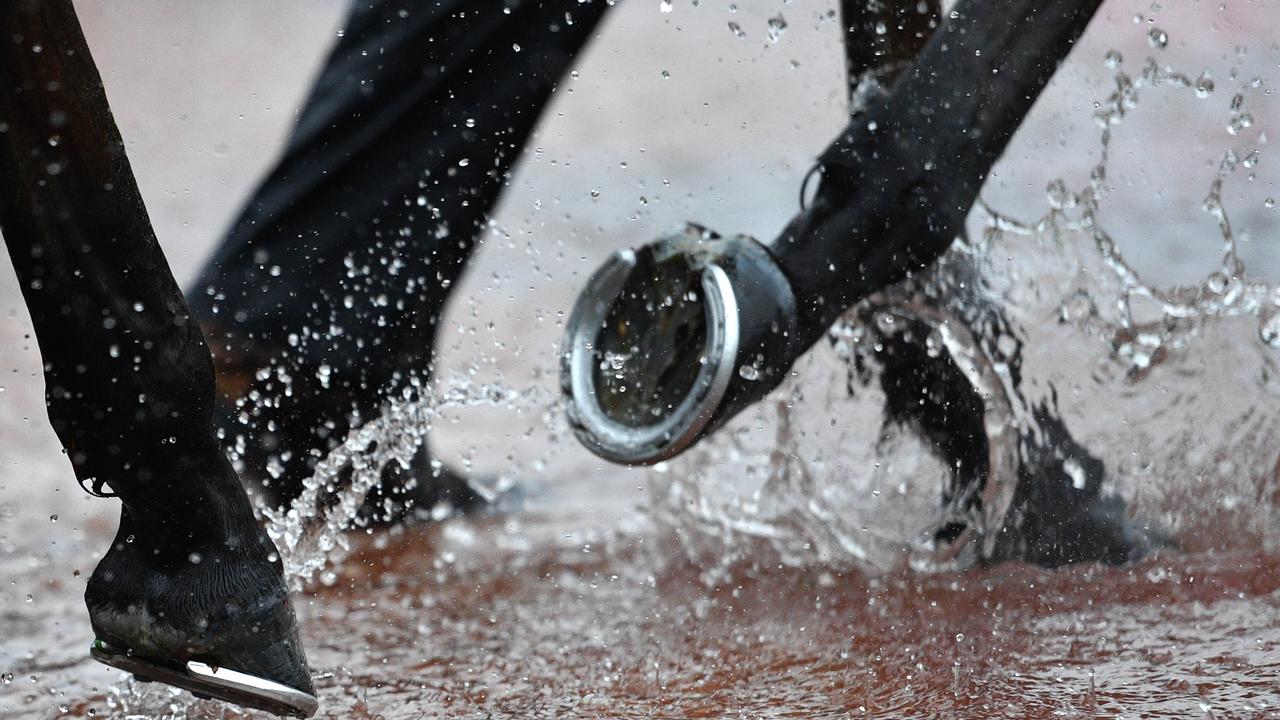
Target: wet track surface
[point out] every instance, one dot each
(504, 618)
(569, 635)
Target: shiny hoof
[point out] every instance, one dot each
(212, 683)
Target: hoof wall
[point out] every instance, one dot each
(212, 683)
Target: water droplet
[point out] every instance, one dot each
(1158, 38)
(1269, 332)
(1204, 85)
(1240, 123)
(53, 518)
(195, 558)
(1268, 203)
(665, 6)
(777, 25)
(1113, 59)
(749, 372)
(736, 29)
(1075, 471)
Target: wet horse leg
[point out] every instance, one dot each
(129, 383)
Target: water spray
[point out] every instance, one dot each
(669, 341)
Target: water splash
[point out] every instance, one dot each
(819, 476)
(776, 26)
(311, 532)
(1173, 388)
(133, 700)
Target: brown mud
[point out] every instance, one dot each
(565, 633)
(466, 620)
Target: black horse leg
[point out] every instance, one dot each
(129, 383)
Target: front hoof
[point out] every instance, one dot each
(227, 606)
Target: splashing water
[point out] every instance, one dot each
(1173, 388)
(311, 532)
(134, 700)
(818, 476)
